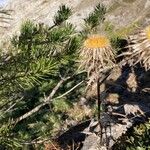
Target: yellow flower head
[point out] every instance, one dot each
(97, 42)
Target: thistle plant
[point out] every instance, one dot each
(96, 55)
(139, 48)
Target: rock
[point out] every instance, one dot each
(134, 110)
(114, 125)
(112, 98)
(91, 142)
(92, 91)
(121, 13)
(43, 11)
(132, 82)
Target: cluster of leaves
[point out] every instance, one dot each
(63, 14)
(140, 139)
(137, 139)
(96, 17)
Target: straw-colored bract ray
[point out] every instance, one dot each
(139, 48)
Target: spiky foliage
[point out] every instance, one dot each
(96, 17)
(96, 56)
(39, 59)
(63, 14)
(139, 48)
(94, 20)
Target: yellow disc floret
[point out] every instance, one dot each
(97, 42)
(147, 31)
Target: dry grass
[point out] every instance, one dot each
(51, 146)
(78, 113)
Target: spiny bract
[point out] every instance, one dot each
(96, 55)
(139, 48)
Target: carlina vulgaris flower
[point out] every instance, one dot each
(139, 48)
(96, 55)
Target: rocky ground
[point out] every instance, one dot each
(126, 99)
(121, 13)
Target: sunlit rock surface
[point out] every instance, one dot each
(120, 12)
